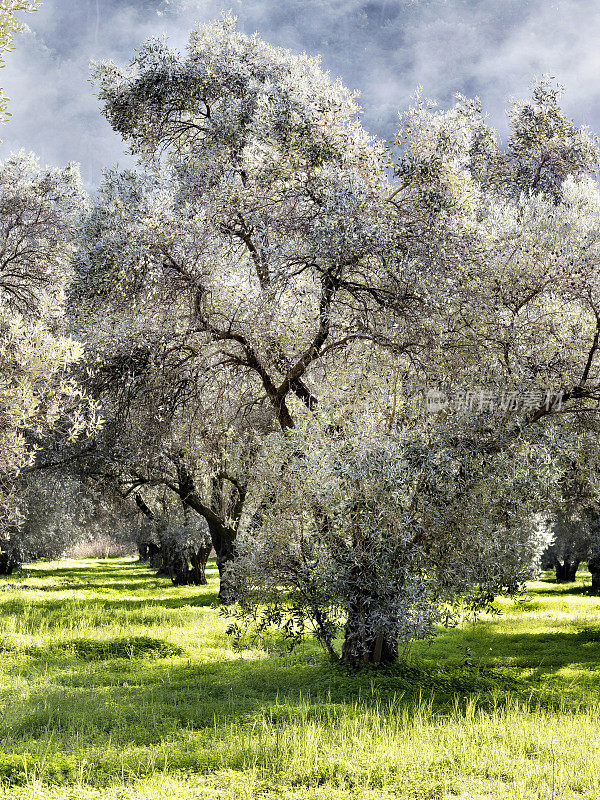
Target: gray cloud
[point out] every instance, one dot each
(384, 48)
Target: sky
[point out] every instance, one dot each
(384, 48)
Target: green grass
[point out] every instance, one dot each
(115, 684)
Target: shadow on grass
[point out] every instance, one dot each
(170, 694)
(189, 711)
(89, 567)
(559, 589)
(147, 701)
(581, 586)
(54, 612)
(119, 576)
(103, 590)
(497, 647)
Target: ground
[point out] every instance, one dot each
(115, 684)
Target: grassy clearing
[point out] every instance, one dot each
(115, 684)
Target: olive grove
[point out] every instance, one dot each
(265, 311)
(362, 373)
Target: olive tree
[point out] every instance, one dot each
(373, 534)
(174, 541)
(37, 210)
(256, 242)
(39, 401)
(261, 259)
(154, 441)
(58, 513)
(572, 539)
(572, 523)
(432, 510)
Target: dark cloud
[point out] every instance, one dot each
(384, 48)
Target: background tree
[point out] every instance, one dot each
(572, 537)
(39, 400)
(162, 434)
(37, 211)
(59, 515)
(573, 524)
(9, 25)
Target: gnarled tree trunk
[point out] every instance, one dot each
(7, 565)
(567, 571)
(143, 551)
(367, 639)
(155, 556)
(198, 560)
(371, 632)
(594, 568)
(11, 556)
(223, 542)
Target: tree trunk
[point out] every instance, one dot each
(155, 556)
(567, 572)
(11, 556)
(6, 563)
(199, 559)
(143, 549)
(222, 535)
(148, 551)
(177, 566)
(366, 641)
(595, 572)
(224, 546)
(371, 631)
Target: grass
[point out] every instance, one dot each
(115, 684)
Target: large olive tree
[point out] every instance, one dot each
(427, 509)
(262, 270)
(256, 243)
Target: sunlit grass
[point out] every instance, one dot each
(114, 683)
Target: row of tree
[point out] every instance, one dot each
(239, 336)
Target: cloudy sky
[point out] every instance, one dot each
(384, 48)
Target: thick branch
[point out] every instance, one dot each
(314, 349)
(139, 501)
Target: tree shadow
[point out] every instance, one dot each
(204, 600)
(120, 576)
(86, 568)
(151, 702)
(567, 589)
